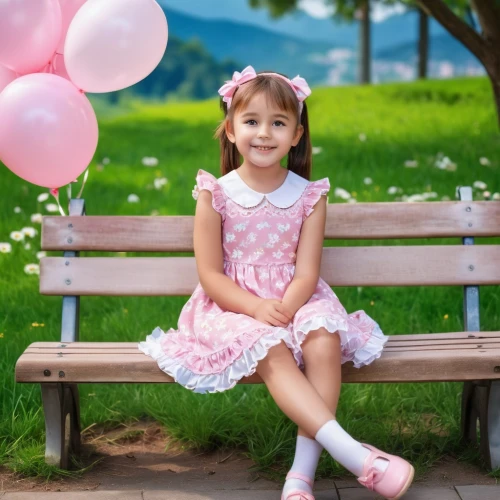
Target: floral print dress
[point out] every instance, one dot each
(213, 348)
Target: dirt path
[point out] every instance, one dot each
(134, 458)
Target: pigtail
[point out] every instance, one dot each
(229, 154)
(300, 156)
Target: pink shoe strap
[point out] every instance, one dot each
(299, 495)
(372, 475)
(302, 477)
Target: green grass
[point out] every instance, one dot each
(401, 122)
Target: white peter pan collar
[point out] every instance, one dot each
(283, 197)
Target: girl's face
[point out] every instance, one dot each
(263, 133)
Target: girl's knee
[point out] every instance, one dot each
(321, 343)
(276, 354)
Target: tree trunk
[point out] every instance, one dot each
(495, 84)
(423, 43)
(496, 91)
(364, 43)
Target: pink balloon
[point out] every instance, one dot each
(6, 76)
(29, 33)
(57, 67)
(48, 130)
(68, 9)
(113, 44)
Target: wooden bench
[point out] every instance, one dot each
(467, 356)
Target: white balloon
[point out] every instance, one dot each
(113, 44)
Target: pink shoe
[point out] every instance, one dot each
(298, 494)
(391, 483)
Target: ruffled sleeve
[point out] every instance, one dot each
(205, 180)
(313, 193)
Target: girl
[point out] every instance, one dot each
(260, 304)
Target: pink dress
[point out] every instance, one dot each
(213, 348)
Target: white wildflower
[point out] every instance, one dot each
(480, 185)
(341, 193)
(36, 218)
(445, 163)
(17, 210)
(29, 231)
(445, 198)
(415, 197)
(431, 194)
(316, 150)
(392, 190)
(133, 198)
(27, 246)
(51, 207)
(484, 161)
(41, 255)
(106, 161)
(352, 200)
(368, 180)
(159, 182)
(150, 161)
(17, 236)
(486, 195)
(42, 197)
(411, 164)
(362, 137)
(32, 269)
(5, 248)
(496, 196)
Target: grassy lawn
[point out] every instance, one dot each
(363, 132)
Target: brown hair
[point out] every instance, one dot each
(283, 97)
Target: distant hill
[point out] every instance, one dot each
(263, 49)
(202, 53)
(441, 48)
(393, 31)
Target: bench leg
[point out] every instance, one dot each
(61, 405)
(481, 402)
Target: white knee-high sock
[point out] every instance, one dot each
(307, 453)
(346, 450)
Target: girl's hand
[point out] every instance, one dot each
(273, 312)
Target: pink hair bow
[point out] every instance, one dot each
(298, 85)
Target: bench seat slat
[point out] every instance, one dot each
(392, 338)
(380, 220)
(438, 342)
(395, 365)
(341, 266)
(389, 347)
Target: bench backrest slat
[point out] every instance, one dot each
(341, 266)
(344, 221)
